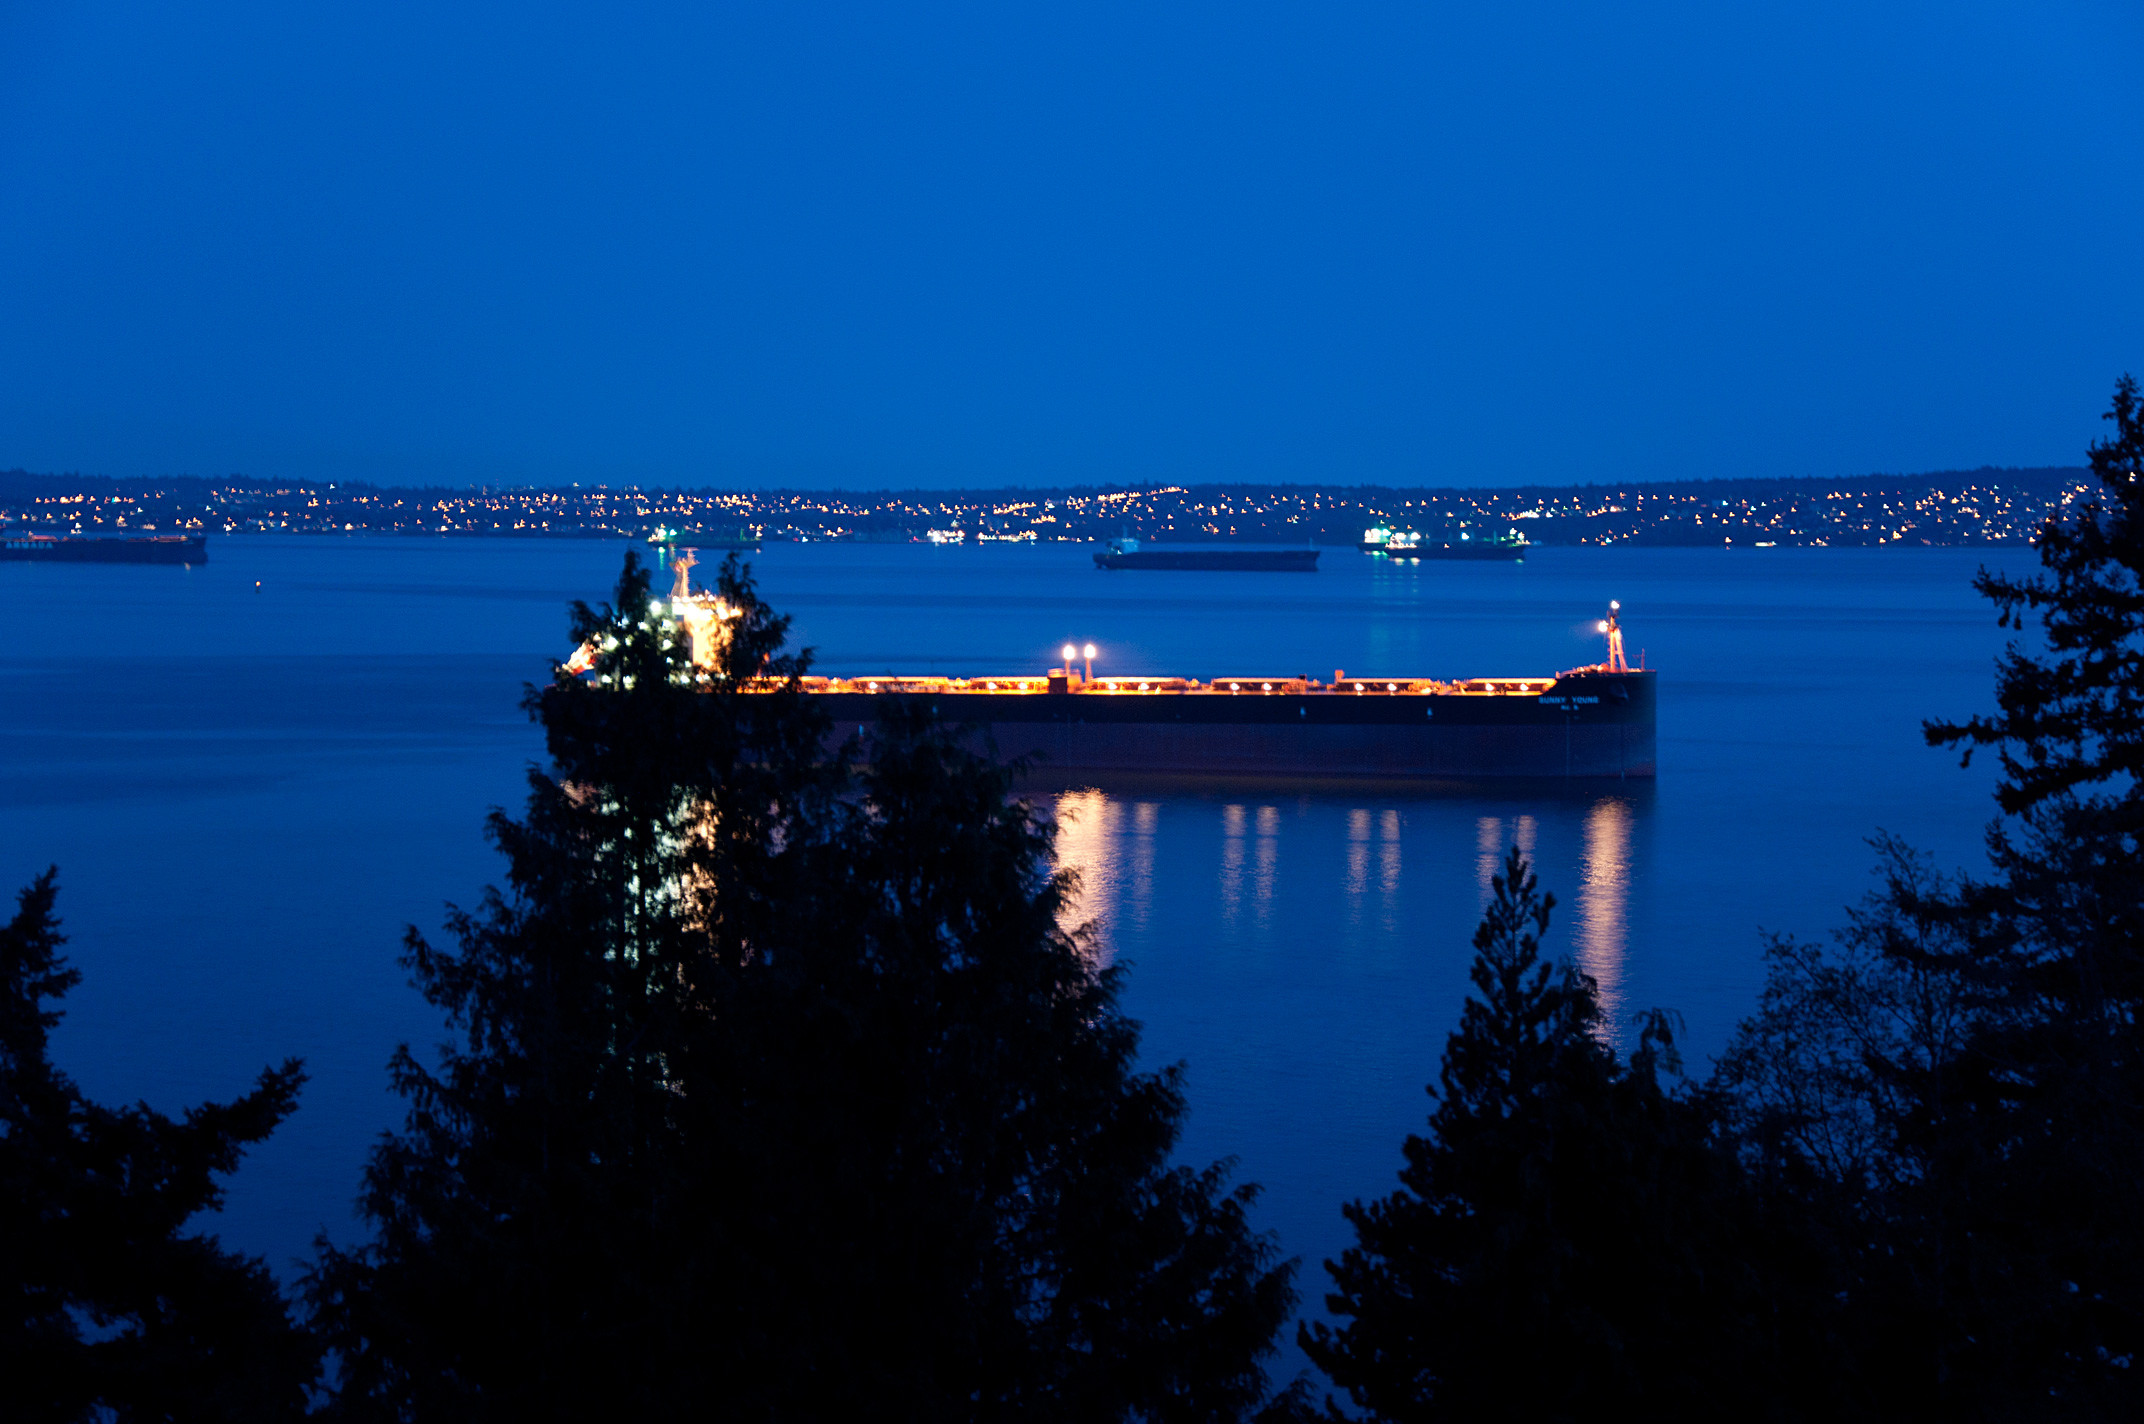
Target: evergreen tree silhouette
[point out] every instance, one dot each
(1958, 1084)
(534, 1219)
(112, 1309)
(1570, 1240)
(779, 1093)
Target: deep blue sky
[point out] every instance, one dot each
(790, 243)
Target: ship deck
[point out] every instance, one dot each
(1584, 723)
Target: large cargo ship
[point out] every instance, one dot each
(1595, 721)
(92, 549)
(1126, 554)
(1408, 544)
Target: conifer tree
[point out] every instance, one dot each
(779, 1093)
(1017, 1243)
(2071, 719)
(1959, 1084)
(1569, 1239)
(109, 1307)
(533, 1217)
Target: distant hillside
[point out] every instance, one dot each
(1984, 506)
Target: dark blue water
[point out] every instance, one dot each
(250, 793)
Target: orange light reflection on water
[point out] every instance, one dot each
(1110, 844)
(1232, 827)
(1603, 903)
(1268, 862)
(1146, 818)
(1085, 847)
(1358, 860)
(1489, 849)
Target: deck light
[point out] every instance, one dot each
(1601, 627)
(1070, 653)
(1090, 662)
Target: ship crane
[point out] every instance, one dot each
(1612, 625)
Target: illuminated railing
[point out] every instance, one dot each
(1504, 686)
(1262, 686)
(1136, 685)
(1394, 687)
(892, 685)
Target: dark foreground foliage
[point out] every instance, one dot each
(1913, 1188)
(109, 1307)
(1959, 1081)
(780, 1092)
(1571, 1239)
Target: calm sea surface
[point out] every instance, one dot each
(249, 791)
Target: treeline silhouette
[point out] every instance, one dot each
(779, 1090)
(1913, 1186)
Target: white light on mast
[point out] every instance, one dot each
(1612, 625)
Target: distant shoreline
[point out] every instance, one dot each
(1979, 508)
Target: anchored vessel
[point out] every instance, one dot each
(742, 540)
(1407, 544)
(1592, 721)
(78, 549)
(1126, 554)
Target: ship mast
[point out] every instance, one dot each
(1612, 625)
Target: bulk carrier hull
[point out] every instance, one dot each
(76, 549)
(1585, 723)
(1588, 724)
